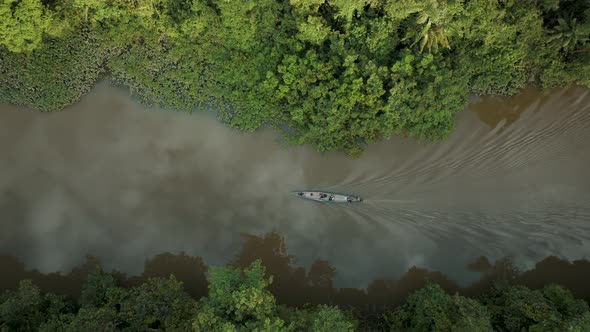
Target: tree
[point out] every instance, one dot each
(26, 308)
(86, 319)
(334, 74)
(514, 308)
(21, 310)
(321, 318)
(239, 295)
(157, 304)
(432, 17)
(238, 300)
(431, 309)
(95, 290)
(87, 9)
(569, 33)
(23, 24)
(328, 319)
(501, 44)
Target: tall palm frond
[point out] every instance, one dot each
(569, 33)
(432, 16)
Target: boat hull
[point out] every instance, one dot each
(328, 197)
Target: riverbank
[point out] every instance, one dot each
(112, 301)
(334, 76)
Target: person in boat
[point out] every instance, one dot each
(331, 198)
(322, 195)
(300, 194)
(349, 199)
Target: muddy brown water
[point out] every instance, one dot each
(109, 177)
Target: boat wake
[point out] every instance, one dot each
(376, 201)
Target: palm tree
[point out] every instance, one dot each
(569, 33)
(432, 37)
(432, 15)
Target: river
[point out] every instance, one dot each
(109, 177)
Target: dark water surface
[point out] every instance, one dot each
(109, 178)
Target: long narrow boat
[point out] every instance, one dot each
(324, 196)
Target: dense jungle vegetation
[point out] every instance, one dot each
(239, 300)
(264, 289)
(335, 74)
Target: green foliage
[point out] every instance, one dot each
(334, 74)
(427, 92)
(158, 303)
(22, 25)
(95, 290)
(432, 26)
(86, 319)
(500, 45)
(342, 85)
(213, 54)
(238, 301)
(54, 75)
(431, 309)
(514, 308)
(559, 73)
(22, 310)
(328, 319)
(158, 76)
(321, 318)
(26, 308)
(569, 33)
